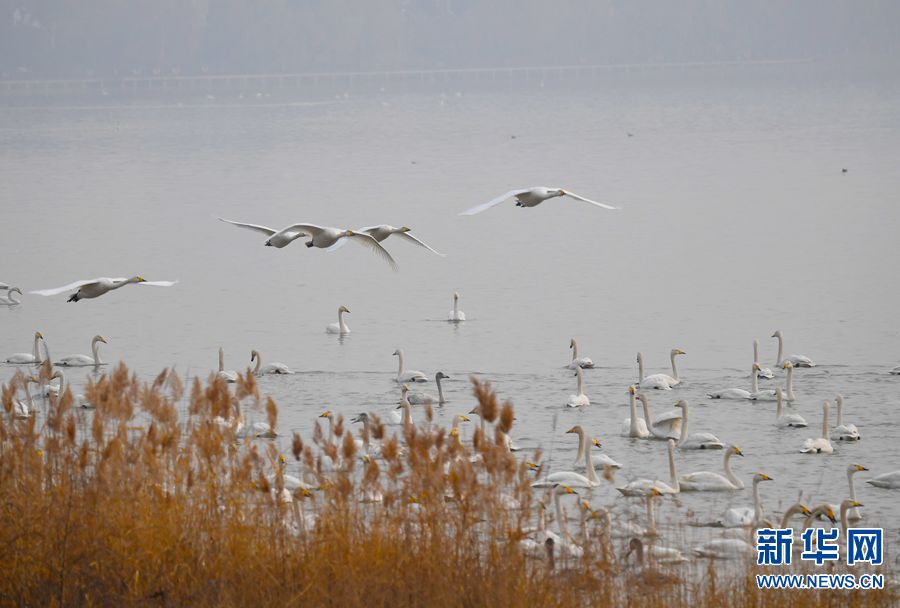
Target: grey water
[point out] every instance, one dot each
(736, 219)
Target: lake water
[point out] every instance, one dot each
(736, 220)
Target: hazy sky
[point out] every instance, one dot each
(107, 37)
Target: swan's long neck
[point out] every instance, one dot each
(563, 526)
(95, 349)
(124, 283)
(684, 425)
(585, 538)
(11, 296)
(754, 373)
(672, 472)
(757, 506)
(845, 523)
(574, 349)
(366, 445)
(330, 429)
(35, 352)
(580, 375)
(825, 421)
(29, 398)
(779, 403)
(674, 366)
(640, 358)
(633, 429)
(756, 352)
(840, 412)
(400, 361)
(455, 306)
(221, 360)
(341, 324)
(790, 384)
(729, 473)
(407, 413)
(258, 363)
(589, 466)
(795, 508)
(850, 473)
(582, 444)
(437, 380)
(651, 515)
(780, 357)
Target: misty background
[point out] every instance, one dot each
(109, 38)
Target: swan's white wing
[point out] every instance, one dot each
(58, 290)
(371, 243)
(587, 200)
(307, 229)
(257, 228)
(413, 239)
(159, 283)
(496, 201)
(338, 245)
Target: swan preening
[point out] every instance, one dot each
(268, 368)
(10, 300)
(659, 381)
(582, 362)
(405, 375)
(94, 288)
(796, 360)
(820, 445)
(341, 326)
(456, 315)
(532, 197)
(579, 400)
(321, 237)
(85, 360)
(844, 432)
(35, 357)
(707, 481)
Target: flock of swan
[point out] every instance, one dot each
(670, 428)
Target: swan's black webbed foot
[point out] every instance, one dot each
(309, 244)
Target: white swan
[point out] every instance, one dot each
(889, 481)
(697, 441)
(821, 445)
(94, 288)
(796, 360)
(742, 517)
(643, 487)
(456, 315)
(844, 432)
(572, 478)
(659, 381)
(341, 326)
(35, 357)
(852, 469)
(85, 360)
(229, 375)
(23, 409)
(582, 362)
(788, 388)
(725, 548)
(579, 400)
(531, 197)
(665, 426)
(60, 390)
(269, 368)
(567, 545)
(322, 237)
(9, 300)
(404, 415)
(633, 426)
(601, 460)
(383, 231)
(404, 375)
(707, 481)
(739, 393)
(782, 419)
(654, 553)
(421, 397)
(764, 372)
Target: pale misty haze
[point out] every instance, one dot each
(53, 38)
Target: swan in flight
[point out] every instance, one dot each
(764, 372)
(601, 460)
(10, 300)
(404, 375)
(85, 360)
(380, 233)
(582, 362)
(268, 368)
(782, 419)
(456, 315)
(796, 360)
(226, 375)
(322, 237)
(742, 517)
(94, 288)
(889, 481)
(643, 487)
(707, 481)
(421, 397)
(572, 478)
(36, 357)
(532, 197)
(821, 445)
(634, 427)
(659, 381)
(341, 326)
(739, 393)
(664, 426)
(697, 441)
(579, 400)
(844, 432)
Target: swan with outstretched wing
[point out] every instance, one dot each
(532, 197)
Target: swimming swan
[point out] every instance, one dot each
(786, 420)
(707, 481)
(697, 441)
(404, 375)
(844, 432)
(421, 397)
(742, 517)
(268, 368)
(9, 300)
(579, 400)
(36, 357)
(665, 426)
(582, 362)
(820, 445)
(764, 372)
(796, 360)
(659, 381)
(633, 426)
(643, 487)
(601, 460)
(341, 326)
(227, 376)
(85, 360)
(456, 315)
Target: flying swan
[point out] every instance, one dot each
(532, 197)
(383, 231)
(94, 288)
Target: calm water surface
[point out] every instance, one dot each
(736, 220)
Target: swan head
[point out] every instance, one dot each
(655, 492)
(839, 399)
(344, 309)
(268, 243)
(325, 414)
(362, 417)
(640, 357)
(15, 289)
(756, 367)
(533, 466)
(777, 334)
(564, 489)
(560, 192)
(761, 477)
(349, 233)
(404, 388)
(405, 229)
(854, 468)
(787, 365)
(596, 442)
(454, 432)
(99, 339)
(475, 411)
(576, 429)
(642, 397)
(850, 503)
(442, 376)
(140, 280)
(253, 356)
(678, 351)
(683, 404)
(463, 418)
(736, 450)
(396, 353)
(455, 295)
(38, 335)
